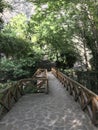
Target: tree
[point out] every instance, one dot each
(87, 26)
(13, 37)
(52, 28)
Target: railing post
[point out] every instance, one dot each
(95, 111)
(57, 72)
(87, 99)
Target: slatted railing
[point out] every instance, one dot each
(10, 95)
(42, 79)
(87, 99)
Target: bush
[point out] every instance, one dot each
(16, 69)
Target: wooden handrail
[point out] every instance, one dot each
(11, 94)
(87, 99)
(8, 97)
(40, 78)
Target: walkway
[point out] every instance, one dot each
(55, 111)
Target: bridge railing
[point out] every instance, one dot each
(87, 99)
(10, 95)
(39, 80)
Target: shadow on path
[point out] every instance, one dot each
(55, 111)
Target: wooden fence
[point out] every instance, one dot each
(10, 95)
(87, 99)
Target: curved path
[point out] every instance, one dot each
(55, 111)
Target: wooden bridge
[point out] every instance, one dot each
(55, 110)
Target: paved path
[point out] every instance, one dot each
(55, 111)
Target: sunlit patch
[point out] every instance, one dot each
(76, 123)
(45, 6)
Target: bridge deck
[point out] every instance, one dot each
(55, 111)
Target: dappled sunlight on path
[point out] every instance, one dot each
(55, 111)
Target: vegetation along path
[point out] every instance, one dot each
(54, 111)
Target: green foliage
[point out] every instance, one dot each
(16, 69)
(2, 86)
(13, 38)
(17, 27)
(87, 26)
(5, 85)
(20, 73)
(30, 88)
(53, 28)
(6, 65)
(10, 46)
(69, 72)
(3, 5)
